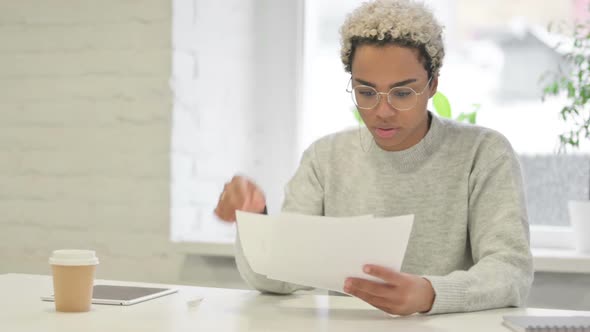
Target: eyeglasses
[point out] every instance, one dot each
(401, 98)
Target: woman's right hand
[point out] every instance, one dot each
(239, 194)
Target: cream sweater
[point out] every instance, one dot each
(470, 237)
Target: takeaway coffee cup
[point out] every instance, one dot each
(73, 278)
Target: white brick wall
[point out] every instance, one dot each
(85, 126)
(235, 108)
(85, 118)
(211, 110)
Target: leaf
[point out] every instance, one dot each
(467, 117)
(572, 78)
(553, 89)
(441, 105)
(571, 90)
(461, 117)
(357, 115)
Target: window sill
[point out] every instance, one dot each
(217, 249)
(560, 260)
(545, 260)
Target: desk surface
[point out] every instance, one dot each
(227, 310)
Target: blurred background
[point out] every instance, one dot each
(120, 121)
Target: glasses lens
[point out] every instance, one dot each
(402, 98)
(365, 97)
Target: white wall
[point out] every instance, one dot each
(235, 82)
(85, 135)
(85, 130)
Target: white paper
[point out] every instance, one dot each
(324, 254)
(322, 251)
(254, 232)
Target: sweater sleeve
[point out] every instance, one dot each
(499, 238)
(304, 194)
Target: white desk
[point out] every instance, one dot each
(226, 310)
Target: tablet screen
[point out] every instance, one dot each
(123, 293)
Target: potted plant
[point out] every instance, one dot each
(573, 82)
(443, 108)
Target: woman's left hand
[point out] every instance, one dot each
(401, 294)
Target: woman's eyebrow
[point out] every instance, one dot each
(401, 83)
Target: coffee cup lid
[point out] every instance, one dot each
(71, 257)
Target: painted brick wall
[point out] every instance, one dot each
(89, 127)
(85, 110)
(235, 82)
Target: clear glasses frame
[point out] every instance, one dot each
(402, 98)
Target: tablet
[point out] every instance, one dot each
(123, 295)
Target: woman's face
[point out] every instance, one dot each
(385, 67)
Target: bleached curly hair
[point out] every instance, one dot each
(405, 23)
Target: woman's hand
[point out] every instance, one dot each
(239, 194)
(401, 294)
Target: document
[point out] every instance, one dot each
(547, 323)
(254, 232)
(322, 251)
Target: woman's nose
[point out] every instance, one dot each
(383, 109)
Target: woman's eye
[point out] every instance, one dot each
(402, 94)
(366, 92)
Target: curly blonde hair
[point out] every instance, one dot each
(394, 22)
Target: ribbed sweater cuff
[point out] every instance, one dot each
(450, 295)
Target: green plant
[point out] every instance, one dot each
(443, 108)
(574, 82)
(357, 115)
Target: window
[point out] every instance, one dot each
(496, 52)
(226, 121)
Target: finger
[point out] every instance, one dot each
(226, 207)
(250, 192)
(368, 286)
(234, 197)
(222, 194)
(221, 208)
(252, 197)
(385, 304)
(224, 213)
(378, 302)
(255, 198)
(385, 310)
(239, 193)
(388, 275)
(246, 192)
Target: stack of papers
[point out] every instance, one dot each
(321, 251)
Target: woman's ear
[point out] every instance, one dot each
(433, 86)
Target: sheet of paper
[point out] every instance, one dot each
(323, 254)
(254, 232)
(321, 251)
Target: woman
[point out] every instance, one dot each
(469, 246)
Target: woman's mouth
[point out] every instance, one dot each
(386, 132)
